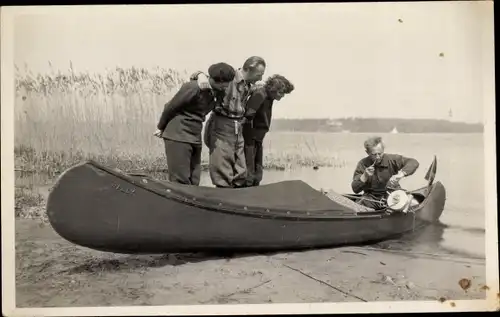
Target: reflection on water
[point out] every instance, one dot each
(426, 239)
(440, 239)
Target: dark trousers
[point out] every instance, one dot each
(254, 159)
(184, 162)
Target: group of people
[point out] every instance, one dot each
(240, 107)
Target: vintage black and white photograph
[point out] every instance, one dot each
(188, 158)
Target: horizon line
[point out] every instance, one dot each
(375, 118)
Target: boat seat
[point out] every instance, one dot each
(340, 199)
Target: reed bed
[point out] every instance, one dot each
(65, 117)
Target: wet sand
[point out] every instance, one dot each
(51, 272)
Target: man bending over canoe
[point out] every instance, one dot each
(379, 172)
(223, 130)
(258, 117)
(182, 120)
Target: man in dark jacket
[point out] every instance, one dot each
(258, 116)
(181, 123)
(379, 173)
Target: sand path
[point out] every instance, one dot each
(51, 272)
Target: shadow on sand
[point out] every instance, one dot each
(431, 235)
(155, 261)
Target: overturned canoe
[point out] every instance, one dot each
(108, 210)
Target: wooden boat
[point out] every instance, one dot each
(108, 210)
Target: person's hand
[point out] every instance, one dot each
(203, 81)
(369, 171)
(259, 84)
(256, 85)
(194, 76)
(203, 84)
(158, 133)
(394, 180)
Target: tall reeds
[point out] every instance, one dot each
(64, 117)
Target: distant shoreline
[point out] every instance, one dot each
(377, 125)
(377, 133)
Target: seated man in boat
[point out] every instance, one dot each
(379, 172)
(257, 122)
(181, 123)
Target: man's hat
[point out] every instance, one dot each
(221, 72)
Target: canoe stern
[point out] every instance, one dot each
(433, 206)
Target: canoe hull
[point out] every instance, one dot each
(93, 208)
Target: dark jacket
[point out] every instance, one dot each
(183, 116)
(258, 115)
(390, 165)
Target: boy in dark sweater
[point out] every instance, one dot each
(181, 123)
(258, 116)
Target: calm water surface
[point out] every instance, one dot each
(460, 169)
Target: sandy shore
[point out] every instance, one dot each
(51, 272)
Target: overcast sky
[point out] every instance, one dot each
(345, 59)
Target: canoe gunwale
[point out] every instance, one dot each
(276, 213)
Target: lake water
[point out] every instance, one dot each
(460, 168)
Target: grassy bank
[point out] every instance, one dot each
(36, 168)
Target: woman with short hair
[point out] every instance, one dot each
(258, 116)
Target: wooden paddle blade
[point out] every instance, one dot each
(431, 172)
